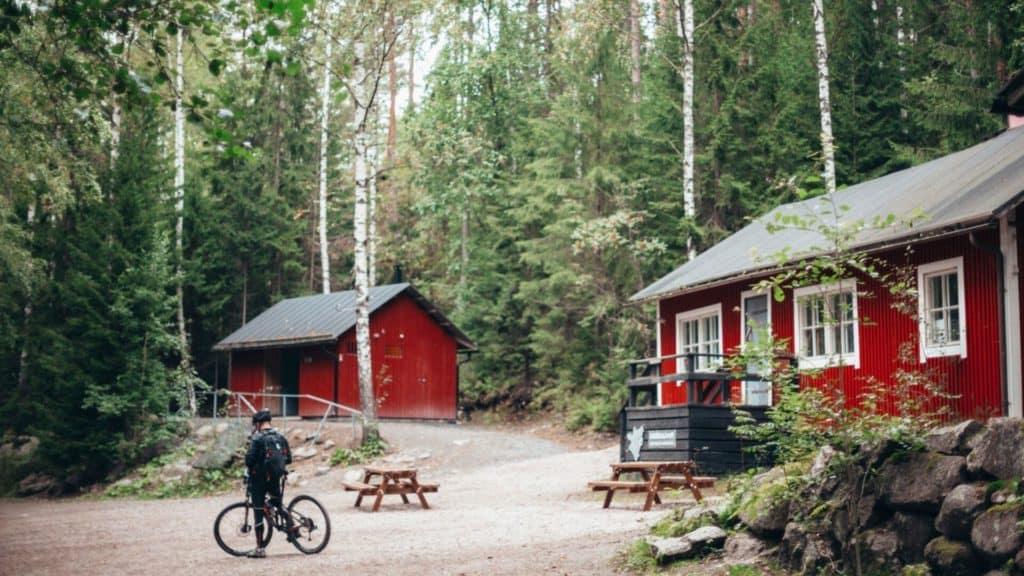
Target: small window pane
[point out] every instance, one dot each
(935, 292)
(954, 325)
(848, 343)
(953, 290)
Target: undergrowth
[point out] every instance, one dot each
(349, 456)
(150, 485)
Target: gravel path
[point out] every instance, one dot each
(509, 504)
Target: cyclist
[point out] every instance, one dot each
(267, 460)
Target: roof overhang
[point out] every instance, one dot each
(957, 229)
(276, 343)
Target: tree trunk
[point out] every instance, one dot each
(634, 47)
(179, 209)
(30, 219)
(824, 103)
(686, 26)
(372, 161)
(392, 140)
(412, 69)
(367, 400)
(325, 108)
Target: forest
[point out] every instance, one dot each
(171, 168)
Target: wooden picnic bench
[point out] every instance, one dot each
(390, 480)
(656, 476)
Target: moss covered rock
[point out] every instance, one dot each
(951, 557)
(996, 533)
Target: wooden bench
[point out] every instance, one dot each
(400, 481)
(656, 476)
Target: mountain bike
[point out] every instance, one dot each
(304, 522)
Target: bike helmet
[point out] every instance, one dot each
(261, 416)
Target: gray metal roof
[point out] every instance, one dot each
(323, 318)
(955, 192)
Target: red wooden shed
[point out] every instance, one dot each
(306, 346)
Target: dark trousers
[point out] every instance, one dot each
(260, 491)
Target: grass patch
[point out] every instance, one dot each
(348, 456)
(639, 559)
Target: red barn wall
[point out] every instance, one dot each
(316, 378)
(414, 364)
(974, 380)
(247, 374)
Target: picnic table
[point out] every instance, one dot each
(656, 476)
(380, 480)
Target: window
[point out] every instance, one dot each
(826, 318)
(940, 302)
(700, 332)
(756, 319)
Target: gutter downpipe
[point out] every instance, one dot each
(1000, 264)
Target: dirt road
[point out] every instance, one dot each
(509, 504)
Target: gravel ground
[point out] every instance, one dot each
(509, 503)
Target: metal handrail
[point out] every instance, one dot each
(356, 415)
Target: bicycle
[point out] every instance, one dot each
(304, 521)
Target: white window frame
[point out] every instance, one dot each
(699, 314)
(931, 269)
(743, 311)
(827, 360)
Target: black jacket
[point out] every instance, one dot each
(256, 457)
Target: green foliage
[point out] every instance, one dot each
(147, 484)
(639, 559)
(366, 452)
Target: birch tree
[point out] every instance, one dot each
(325, 109)
(686, 29)
(371, 50)
(179, 210)
(634, 47)
(824, 103)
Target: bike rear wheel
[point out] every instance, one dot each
(234, 529)
(310, 525)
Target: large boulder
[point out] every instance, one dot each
(995, 533)
(951, 557)
(959, 509)
(913, 531)
(225, 448)
(38, 484)
(920, 480)
(842, 523)
(1000, 450)
(744, 548)
(765, 507)
(955, 439)
(880, 548)
(807, 551)
(689, 545)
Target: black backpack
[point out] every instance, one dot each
(276, 454)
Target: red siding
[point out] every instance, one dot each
(422, 381)
(316, 378)
(414, 367)
(974, 379)
(247, 374)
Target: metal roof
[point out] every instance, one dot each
(324, 318)
(964, 189)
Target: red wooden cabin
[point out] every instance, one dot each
(306, 346)
(963, 260)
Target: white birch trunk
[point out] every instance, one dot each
(634, 47)
(179, 208)
(325, 108)
(115, 131)
(367, 400)
(824, 103)
(686, 29)
(900, 57)
(412, 69)
(372, 164)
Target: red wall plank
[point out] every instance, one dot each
(247, 374)
(316, 378)
(974, 380)
(414, 364)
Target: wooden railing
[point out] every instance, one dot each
(707, 377)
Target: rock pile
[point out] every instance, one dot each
(955, 508)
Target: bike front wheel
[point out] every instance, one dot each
(234, 529)
(310, 526)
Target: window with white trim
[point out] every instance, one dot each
(700, 332)
(940, 302)
(826, 324)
